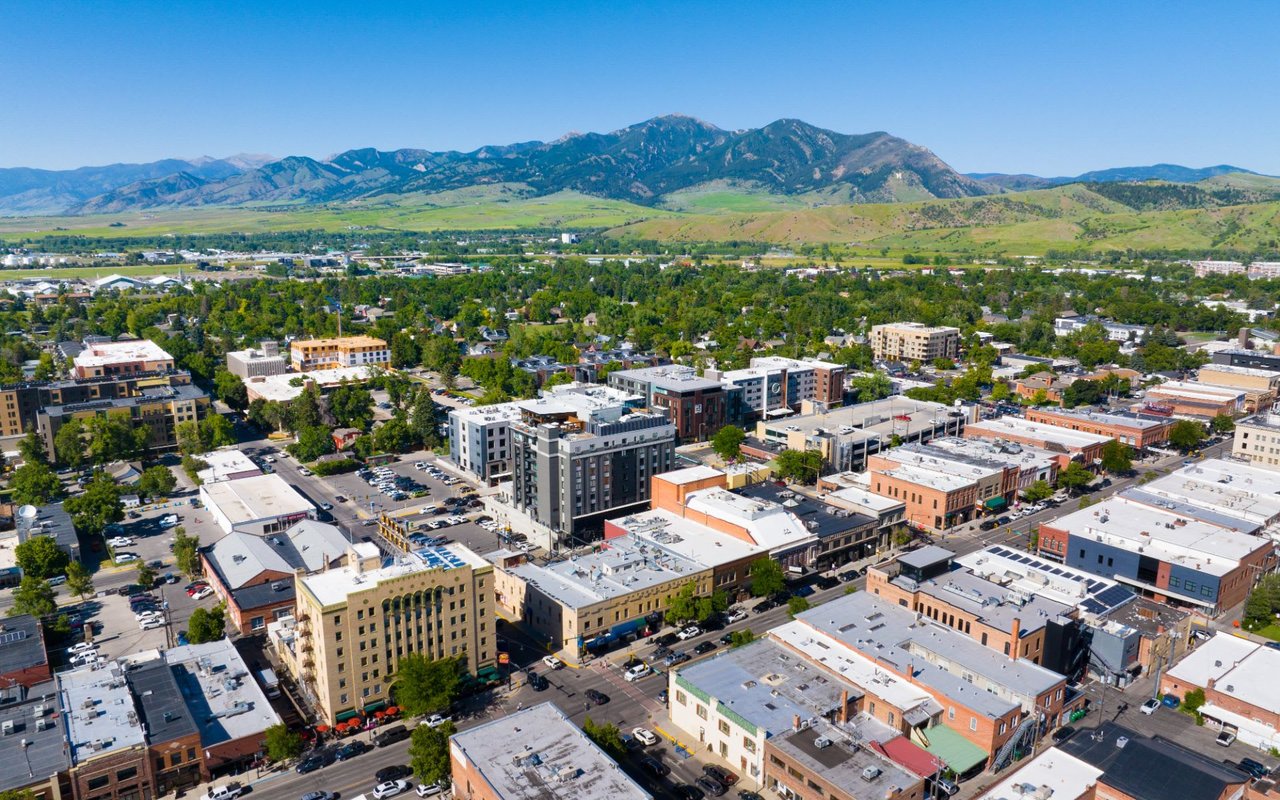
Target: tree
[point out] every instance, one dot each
(79, 581)
(186, 552)
(313, 442)
(304, 411)
(188, 436)
(404, 350)
(422, 419)
(68, 444)
(902, 537)
(146, 575)
(1074, 477)
(728, 442)
(282, 743)
(393, 436)
(206, 625)
(31, 448)
(1257, 609)
(46, 369)
(766, 577)
(230, 389)
(606, 736)
(33, 596)
(943, 364)
(1222, 423)
(797, 605)
(1186, 435)
(1193, 700)
(17, 794)
(424, 686)
(800, 466)
(216, 431)
(112, 437)
(352, 406)
(1116, 457)
(874, 386)
(429, 753)
(683, 606)
(35, 484)
(40, 556)
(1040, 490)
(157, 482)
(742, 637)
(1000, 392)
(97, 506)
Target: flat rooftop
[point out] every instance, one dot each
(478, 415)
(673, 377)
(862, 421)
(36, 750)
(539, 754)
(280, 388)
(336, 585)
(1067, 778)
(818, 517)
(1030, 575)
(1220, 656)
(1194, 390)
(1228, 369)
(769, 524)
(626, 565)
(224, 462)
(224, 700)
(98, 711)
(1022, 457)
(1233, 488)
(21, 643)
(941, 657)
(1269, 421)
(767, 686)
(680, 477)
(256, 497)
(1117, 419)
(995, 605)
(339, 341)
(843, 760)
(1121, 522)
(101, 354)
(864, 498)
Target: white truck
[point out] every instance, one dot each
(229, 792)
(270, 683)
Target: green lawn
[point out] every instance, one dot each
(143, 271)
(1272, 632)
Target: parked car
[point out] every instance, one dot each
(228, 792)
(428, 789)
(318, 796)
(720, 775)
(827, 582)
(351, 750)
(596, 696)
(1062, 734)
(710, 785)
(392, 773)
(125, 558)
(678, 657)
(689, 632)
(1150, 706)
(654, 767)
(552, 662)
(644, 736)
(704, 647)
(736, 615)
(538, 682)
(392, 735)
(684, 791)
(202, 593)
(390, 789)
(1226, 738)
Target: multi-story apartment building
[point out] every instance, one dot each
(159, 409)
(580, 456)
(344, 351)
(774, 384)
(1204, 268)
(1139, 431)
(21, 403)
(102, 359)
(697, 406)
(480, 440)
(354, 623)
(1257, 440)
(1166, 554)
(913, 341)
(265, 360)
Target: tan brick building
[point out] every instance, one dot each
(912, 341)
(345, 351)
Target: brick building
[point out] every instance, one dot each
(1139, 431)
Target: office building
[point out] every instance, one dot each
(1261, 386)
(697, 406)
(253, 575)
(913, 341)
(1257, 440)
(260, 505)
(354, 623)
(345, 351)
(103, 359)
(1139, 431)
(539, 753)
(1162, 553)
(480, 440)
(251, 363)
(581, 455)
(848, 436)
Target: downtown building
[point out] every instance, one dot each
(913, 341)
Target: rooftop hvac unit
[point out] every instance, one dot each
(7, 727)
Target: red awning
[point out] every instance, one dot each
(906, 753)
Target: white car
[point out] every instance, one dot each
(151, 624)
(142, 616)
(637, 672)
(228, 792)
(390, 789)
(120, 541)
(737, 615)
(83, 647)
(552, 662)
(125, 558)
(168, 520)
(435, 721)
(202, 593)
(303, 471)
(428, 789)
(644, 736)
(689, 632)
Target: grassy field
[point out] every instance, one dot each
(143, 271)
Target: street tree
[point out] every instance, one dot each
(186, 552)
(429, 753)
(230, 389)
(112, 437)
(216, 431)
(146, 575)
(1040, 490)
(40, 556)
(31, 448)
(206, 625)
(1186, 435)
(426, 686)
(727, 442)
(797, 605)
(69, 444)
(742, 637)
(97, 506)
(1222, 423)
(1074, 477)
(1116, 457)
(766, 577)
(282, 743)
(34, 596)
(79, 581)
(606, 736)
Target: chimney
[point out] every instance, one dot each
(1243, 339)
(844, 706)
(1014, 632)
(795, 722)
(1212, 682)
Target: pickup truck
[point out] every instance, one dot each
(228, 792)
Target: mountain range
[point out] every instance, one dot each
(644, 164)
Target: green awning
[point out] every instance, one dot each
(377, 705)
(346, 715)
(960, 754)
(996, 503)
(489, 674)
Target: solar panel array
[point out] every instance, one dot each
(1102, 597)
(12, 636)
(440, 558)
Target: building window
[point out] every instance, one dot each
(702, 711)
(680, 698)
(973, 723)
(99, 781)
(724, 727)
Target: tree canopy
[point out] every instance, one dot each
(425, 686)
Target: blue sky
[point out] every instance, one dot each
(1047, 88)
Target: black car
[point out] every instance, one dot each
(720, 775)
(989, 524)
(1062, 734)
(597, 697)
(1003, 520)
(710, 785)
(665, 640)
(314, 761)
(727, 638)
(847, 576)
(662, 697)
(705, 647)
(827, 582)
(654, 767)
(1254, 768)
(392, 773)
(747, 794)
(684, 791)
(538, 682)
(764, 605)
(661, 651)
(351, 750)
